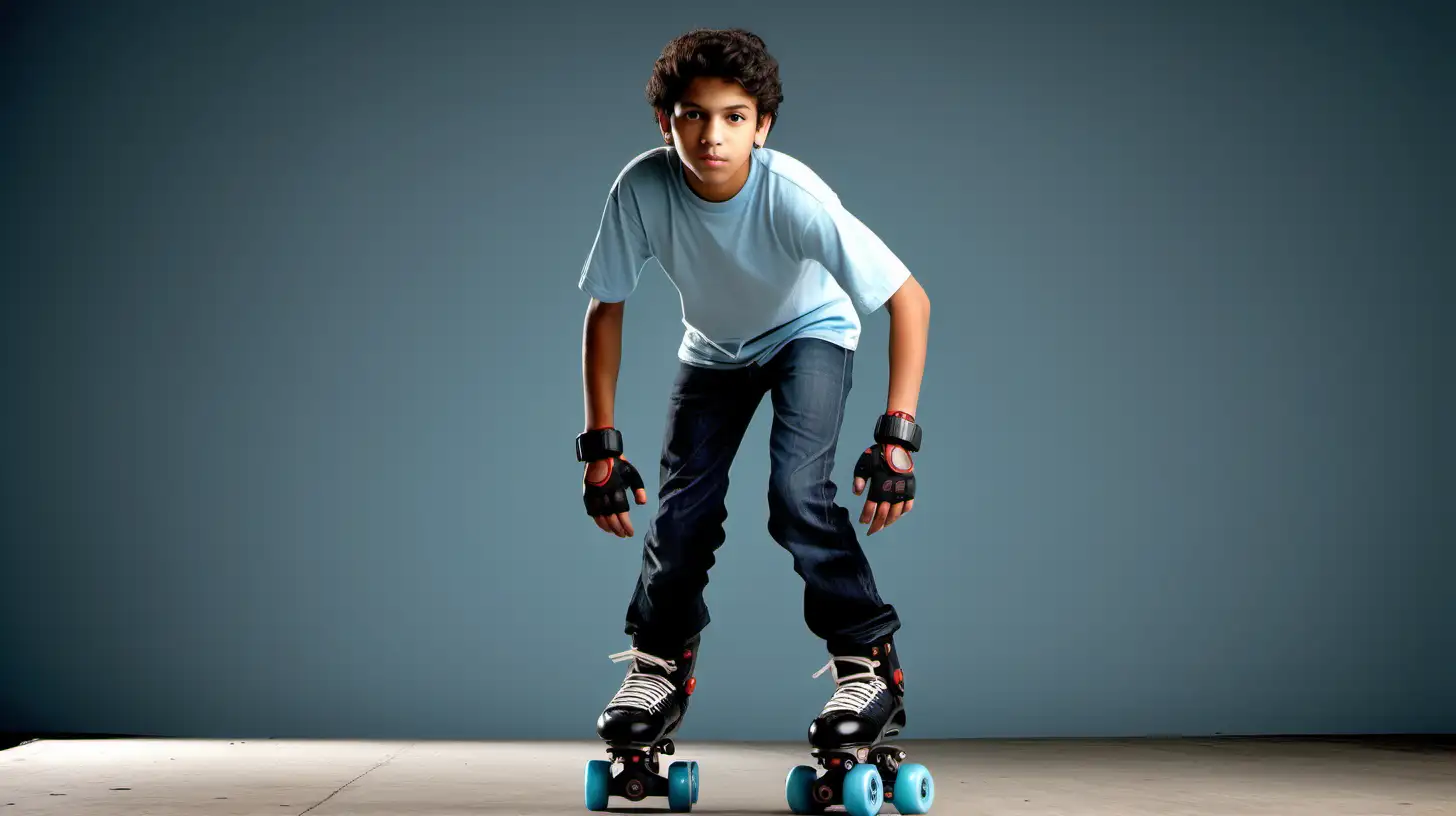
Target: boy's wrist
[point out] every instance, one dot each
(604, 443)
(898, 428)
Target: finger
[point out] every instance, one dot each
(603, 523)
(880, 515)
(632, 476)
(641, 496)
(865, 464)
(867, 513)
(614, 524)
(859, 485)
(625, 521)
(896, 510)
(909, 505)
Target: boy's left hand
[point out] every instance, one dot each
(890, 473)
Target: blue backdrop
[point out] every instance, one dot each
(292, 350)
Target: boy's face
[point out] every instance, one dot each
(717, 118)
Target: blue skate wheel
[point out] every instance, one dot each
(680, 787)
(799, 789)
(695, 781)
(914, 789)
(863, 791)
(598, 781)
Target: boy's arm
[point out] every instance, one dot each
(909, 310)
(601, 360)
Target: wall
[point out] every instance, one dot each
(293, 342)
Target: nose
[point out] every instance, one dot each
(710, 132)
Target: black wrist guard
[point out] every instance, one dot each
(602, 443)
(893, 429)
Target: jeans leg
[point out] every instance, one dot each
(708, 413)
(810, 381)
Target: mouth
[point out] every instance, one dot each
(712, 160)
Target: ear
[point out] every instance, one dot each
(663, 124)
(761, 135)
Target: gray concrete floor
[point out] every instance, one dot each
(1280, 777)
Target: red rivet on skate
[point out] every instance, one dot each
(692, 684)
(834, 761)
(687, 654)
(636, 759)
(899, 677)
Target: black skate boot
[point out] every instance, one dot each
(637, 725)
(868, 702)
(861, 771)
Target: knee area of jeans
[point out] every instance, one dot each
(794, 490)
(705, 530)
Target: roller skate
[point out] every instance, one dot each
(862, 772)
(637, 725)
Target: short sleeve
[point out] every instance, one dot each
(614, 264)
(859, 261)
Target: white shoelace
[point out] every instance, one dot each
(641, 689)
(855, 691)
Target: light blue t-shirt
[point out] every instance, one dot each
(781, 259)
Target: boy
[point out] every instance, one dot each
(771, 269)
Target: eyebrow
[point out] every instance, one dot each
(688, 104)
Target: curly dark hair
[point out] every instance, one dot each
(732, 53)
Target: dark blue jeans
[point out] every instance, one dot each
(708, 412)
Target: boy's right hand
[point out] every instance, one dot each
(604, 490)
